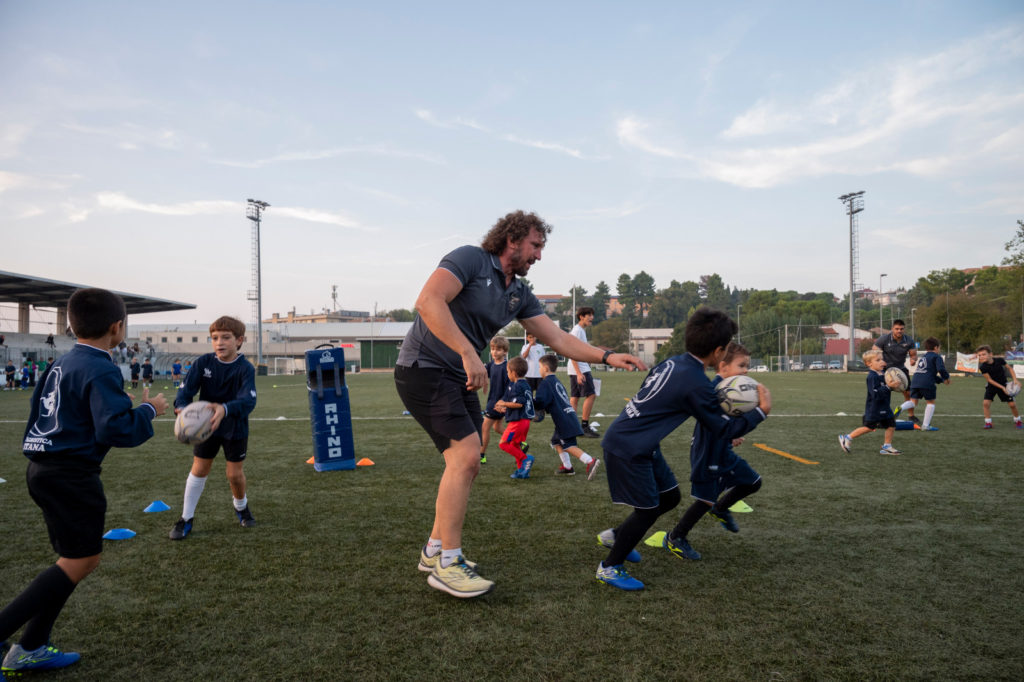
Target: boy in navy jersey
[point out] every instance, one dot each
(715, 470)
(9, 371)
(176, 373)
(552, 398)
(929, 370)
(517, 406)
(997, 375)
(497, 379)
(877, 412)
(135, 368)
(227, 380)
(79, 411)
(147, 374)
(673, 391)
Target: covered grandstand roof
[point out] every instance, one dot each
(49, 293)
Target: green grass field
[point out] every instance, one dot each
(855, 567)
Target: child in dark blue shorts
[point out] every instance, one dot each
(638, 474)
(877, 412)
(497, 381)
(79, 411)
(715, 470)
(928, 372)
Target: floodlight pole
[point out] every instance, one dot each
(254, 212)
(739, 330)
(854, 204)
(881, 322)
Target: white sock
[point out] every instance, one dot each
(193, 490)
(988, 420)
(586, 459)
(448, 556)
(433, 546)
(240, 504)
(929, 411)
(566, 462)
(910, 404)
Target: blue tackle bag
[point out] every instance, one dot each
(329, 412)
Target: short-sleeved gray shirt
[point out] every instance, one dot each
(481, 309)
(894, 352)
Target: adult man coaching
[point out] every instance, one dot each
(581, 381)
(896, 346)
(472, 294)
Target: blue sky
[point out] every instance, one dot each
(679, 138)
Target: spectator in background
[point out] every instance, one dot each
(50, 342)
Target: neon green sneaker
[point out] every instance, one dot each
(427, 563)
(459, 580)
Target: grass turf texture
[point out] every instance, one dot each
(863, 566)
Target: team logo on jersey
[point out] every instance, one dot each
(48, 420)
(207, 374)
(513, 303)
(252, 393)
(560, 390)
(652, 385)
(488, 281)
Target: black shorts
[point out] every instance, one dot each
(925, 393)
(73, 504)
(564, 443)
(534, 382)
(581, 388)
(438, 400)
(991, 392)
(234, 449)
(890, 422)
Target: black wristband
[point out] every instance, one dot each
(604, 358)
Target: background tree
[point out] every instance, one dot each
(714, 292)
(599, 301)
(673, 304)
(676, 344)
(624, 289)
(565, 314)
(613, 334)
(401, 315)
(643, 294)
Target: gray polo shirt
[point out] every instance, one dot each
(481, 309)
(894, 352)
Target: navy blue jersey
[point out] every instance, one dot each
(553, 399)
(481, 309)
(929, 371)
(232, 384)
(519, 392)
(134, 368)
(176, 368)
(996, 370)
(673, 391)
(877, 408)
(497, 373)
(147, 371)
(80, 410)
(710, 457)
(894, 352)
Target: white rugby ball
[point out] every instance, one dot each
(737, 394)
(193, 423)
(1012, 389)
(895, 379)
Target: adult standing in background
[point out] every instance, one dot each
(533, 352)
(470, 296)
(896, 347)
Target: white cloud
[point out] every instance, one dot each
(461, 122)
(621, 211)
(317, 216)
(940, 114)
(11, 137)
(334, 152)
(132, 137)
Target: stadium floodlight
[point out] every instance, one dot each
(739, 330)
(254, 212)
(854, 203)
(881, 322)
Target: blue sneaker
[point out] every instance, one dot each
(616, 576)
(181, 529)
(606, 538)
(527, 465)
(518, 473)
(929, 428)
(844, 442)
(47, 657)
(245, 517)
(724, 517)
(681, 548)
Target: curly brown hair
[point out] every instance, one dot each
(515, 226)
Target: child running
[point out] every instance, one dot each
(715, 470)
(497, 379)
(553, 398)
(638, 474)
(79, 411)
(997, 375)
(227, 380)
(517, 406)
(877, 412)
(928, 372)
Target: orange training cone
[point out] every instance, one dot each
(365, 462)
(310, 460)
